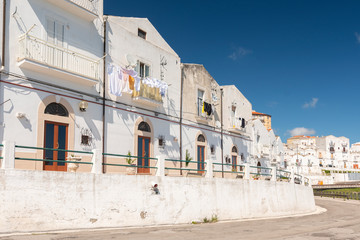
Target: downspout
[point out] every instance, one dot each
(181, 113)
(222, 136)
(3, 37)
(103, 103)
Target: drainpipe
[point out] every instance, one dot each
(103, 103)
(222, 135)
(181, 113)
(3, 37)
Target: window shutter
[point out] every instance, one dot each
(50, 29)
(147, 71)
(59, 30)
(137, 68)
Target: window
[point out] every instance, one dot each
(55, 32)
(233, 119)
(234, 150)
(141, 33)
(143, 69)
(200, 99)
(56, 109)
(201, 138)
(143, 126)
(84, 140)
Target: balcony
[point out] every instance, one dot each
(87, 9)
(148, 95)
(47, 58)
(236, 127)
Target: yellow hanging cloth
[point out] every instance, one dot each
(202, 109)
(131, 82)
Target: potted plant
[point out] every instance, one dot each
(131, 169)
(256, 176)
(72, 166)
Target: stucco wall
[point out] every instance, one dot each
(39, 200)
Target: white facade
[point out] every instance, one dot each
(53, 54)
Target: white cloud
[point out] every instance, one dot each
(357, 35)
(239, 52)
(311, 104)
(301, 131)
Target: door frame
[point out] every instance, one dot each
(140, 169)
(138, 133)
(200, 164)
(42, 117)
(55, 153)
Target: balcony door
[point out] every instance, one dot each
(56, 135)
(55, 43)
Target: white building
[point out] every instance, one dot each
(334, 151)
(52, 62)
(73, 79)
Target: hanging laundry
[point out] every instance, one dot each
(207, 108)
(131, 83)
(163, 89)
(136, 78)
(155, 83)
(126, 86)
(115, 80)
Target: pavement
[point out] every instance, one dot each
(341, 220)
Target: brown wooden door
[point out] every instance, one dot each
(201, 158)
(143, 154)
(234, 163)
(56, 135)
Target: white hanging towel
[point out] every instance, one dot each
(115, 81)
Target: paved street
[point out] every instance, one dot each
(341, 221)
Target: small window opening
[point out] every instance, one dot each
(141, 33)
(201, 138)
(143, 126)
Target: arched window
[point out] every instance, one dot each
(143, 126)
(56, 109)
(201, 138)
(234, 149)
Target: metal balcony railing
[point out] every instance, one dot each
(56, 56)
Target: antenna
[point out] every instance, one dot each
(131, 61)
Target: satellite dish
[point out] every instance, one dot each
(131, 60)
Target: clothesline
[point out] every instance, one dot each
(127, 80)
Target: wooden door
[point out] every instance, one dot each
(143, 154)
(56, 135)
(201, 158)
(234, 163)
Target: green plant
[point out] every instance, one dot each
(214, 219)
(206, 220)
(129, 159)
(188, 158)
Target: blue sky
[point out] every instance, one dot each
(297, 60)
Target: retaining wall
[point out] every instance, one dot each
(43, 200)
